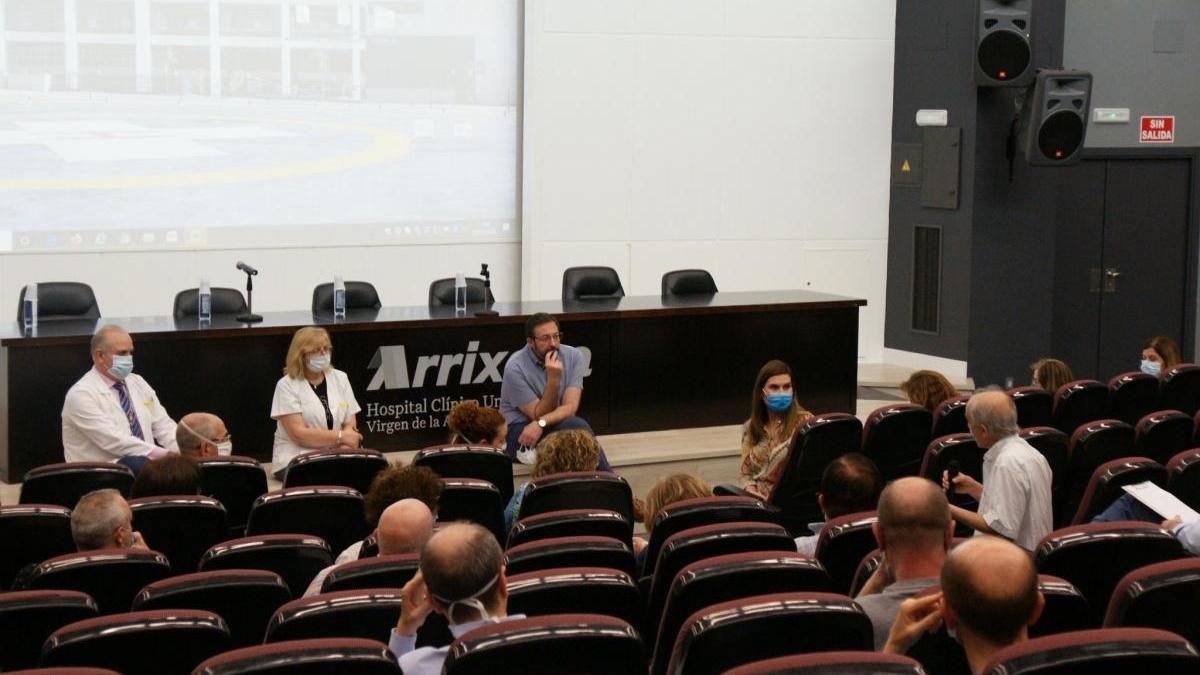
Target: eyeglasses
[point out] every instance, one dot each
(320, 350)
(547, 339)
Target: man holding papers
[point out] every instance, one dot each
(1147, 501)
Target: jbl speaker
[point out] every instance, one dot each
(1003, 43)
(1055, 117)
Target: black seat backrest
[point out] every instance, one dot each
(571, 523)
(224, 301)
(957, 448)
(1078, 403)
(31, 533)
(1132, 396)
(578, 490)
(546, 554)
(139, 643)
(236, 482)
(817, 442)
(593, 590)
(1163, 434)
(1108, 479)
(364, 613)
(1183, 477)
(698, 512)
(245, 598)
(1055, 447)
(296, 558)
(111, 576)
(180, 527)
(1091, 445)
(1163, 595)
(61, 300)
(1034, 406)
(895, 437)
(1066, 609)
(561, 643)
(587, 283)
(1180, 389)
(441, 292)
(331, 512)
(29, 617)
(843, 543)
(65, 483)
(1105, 651)
(381, 571)
(348, 468)
(343, 656)
(359, 295)
(469, 461)
(478, 501)
(688, 282)
(950, 416)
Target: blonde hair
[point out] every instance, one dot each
(1051, 374)
(674, 488)
(565, 451)
(928, 388)
(306, 339)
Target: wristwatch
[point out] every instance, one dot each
(541, 422)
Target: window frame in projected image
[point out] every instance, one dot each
(259, 123)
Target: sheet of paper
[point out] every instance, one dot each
(1162, 502)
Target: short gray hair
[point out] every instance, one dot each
(100, 338)
(95, 518)
(1001, 420)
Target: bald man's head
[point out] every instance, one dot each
(404, 527)
(463, 561)
(914, 515)
(992, 415)
(990, 587)
(199, 433)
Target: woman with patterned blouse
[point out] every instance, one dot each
(774, 417)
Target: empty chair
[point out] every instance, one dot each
(1094, 557)
(65, 483)
(348, 468)
(767, 626)
(1066, 609)
(578, 490)
(1091, 445)
(895, 436)
(1102, 652)
(843, 543)
(1107, 480)
(1163, 595)
(466, 461)
(688, 282)
(366, 613)
(1180, 389)
(1077, 403)
(1035, 406)
(475, 500)
(1054, 446)
(245, 599)
(591, 283)
(236, 482)
(359, 295)
(441, 292)
(563, 643)
(817, 442)
(571, 523)
(61, 300)
(843, 663)
(1162, 435)
(31, 533)
(180, 527)
(590, 590)
(381, 571)
(330, 512)
(950, 416)
(1183, 477)
(225, 301)
(546, 554)
(1132, 396)
(333, 656)
(29, 617)
(111, 576)
(698, 512)
(154, 642)
(296, 558)
(722, 578)
(960, 449)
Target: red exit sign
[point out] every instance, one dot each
(1158, 129)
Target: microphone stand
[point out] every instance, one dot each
(249, 316)
(486, 310)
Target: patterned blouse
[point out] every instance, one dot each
(764, 462)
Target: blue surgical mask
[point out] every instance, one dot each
(1151, 367)
(122, 366)
(779, 402)
(318, 364)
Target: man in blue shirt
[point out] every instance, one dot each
(542, 387)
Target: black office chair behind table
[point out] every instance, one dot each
(359, 295)
(224, 301)
(591, 283)
(61, 300)
(688, 282)
(441, 292)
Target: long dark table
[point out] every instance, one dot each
(656, 363)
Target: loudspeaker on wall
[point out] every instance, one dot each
(1055, 117)
(1003, 43)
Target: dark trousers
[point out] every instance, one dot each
(514, 432)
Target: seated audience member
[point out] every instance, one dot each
(1188, 534)
(1050, 374)
(674, 488)
(989, 599)
(1014, 498)
(393, 484)
(473, 424)
(462, 578)
(775, 414)
(849, 484)
(404, 527)
(103, 519)
(928, 388)
(200, 435)
(1158, 354)
(914, 532)
(168, 475)
(572, 450)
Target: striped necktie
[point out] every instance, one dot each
(127, 406)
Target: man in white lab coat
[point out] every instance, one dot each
(112, 415)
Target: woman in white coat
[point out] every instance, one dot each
(314, 406)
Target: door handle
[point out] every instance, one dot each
(1111, 275)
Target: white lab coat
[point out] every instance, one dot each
(95, 429)
(293, 396)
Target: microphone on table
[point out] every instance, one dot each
(248, 316)
(952, 470)
(246, 268)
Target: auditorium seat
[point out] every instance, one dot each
(330, 512)
(112, 576)
(66, 670)
(1107, 651)
(296, 558)
(236, 482)
(767, 626)
(571, 523)
(61, 301)
(245, 599)
(578, 490)
(181, 527)
(169, 642)
(698, 512)
(381, 571)
(1180, 389)
(1078, 403)
(1107, 480)
(369, 547)
(817, 442)
(866, 567)
(225, 302)
(334, 656)
(895, 436)
(1054, 446)
(359, 295)
(441, 292)
(1035, 406)
(1162, 435)
(688, 282)
(591, 283)
(842, 663)
(950, 417)
(475, 500)
(31, 533)
(572, 590)
(27, 618)
(469, 461)
(548, 554)
(562, 643)
(723, 578)
(348, 468)
(1132, 396)
(1163, 595)
(1091, 445)
(1066, 609)
(1183, 477)
(365, 613)
(65, 483)
(960, 448)
(1095, 556)
(843, 543)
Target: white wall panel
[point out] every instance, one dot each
(864, 19)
